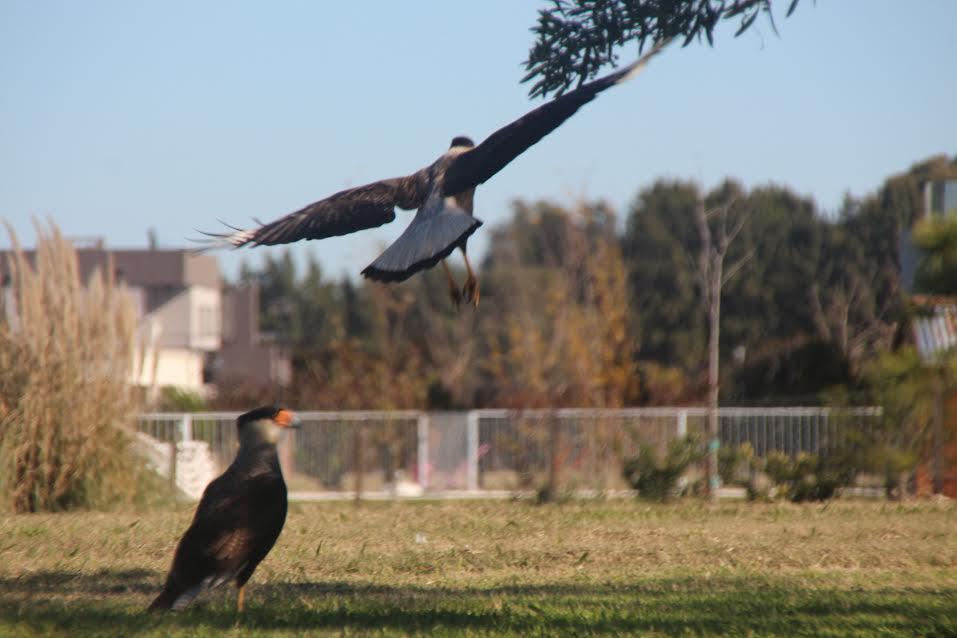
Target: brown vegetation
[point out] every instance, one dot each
(66, 348)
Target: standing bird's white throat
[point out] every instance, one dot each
(442, 192)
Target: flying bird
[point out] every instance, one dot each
(238, 518)
(443, 193)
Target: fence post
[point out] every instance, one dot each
(554, 448)
(422, 434)
(172, 462)
(184, 432)
(186, 428)
(681, 430)
(357, 457)
(471, 450)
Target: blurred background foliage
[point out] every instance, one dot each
(582, 306)
(586, 306)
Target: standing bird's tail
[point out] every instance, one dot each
(175, 597)
(163, 602)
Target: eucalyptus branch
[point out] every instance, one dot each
(575, 39)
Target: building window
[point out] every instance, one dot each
(940, 197)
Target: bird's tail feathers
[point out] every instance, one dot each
(164, 601)
(175, 597)
(426, 241)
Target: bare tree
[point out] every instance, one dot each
(848, 315)
(712, 275)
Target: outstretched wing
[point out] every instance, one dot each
(477, 165)
(345, 212)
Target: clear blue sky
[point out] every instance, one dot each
(120, 116)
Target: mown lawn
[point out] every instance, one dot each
(506, 569)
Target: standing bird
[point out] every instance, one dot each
(238, 518)
(442, 192)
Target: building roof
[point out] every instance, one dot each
(143, 267)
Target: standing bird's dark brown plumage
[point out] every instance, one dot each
(442, 192)
(238, 518)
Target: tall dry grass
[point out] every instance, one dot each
(66, 348)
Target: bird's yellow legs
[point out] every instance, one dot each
(471, 288)
(454, 291)
(240, 598)
(470, 291)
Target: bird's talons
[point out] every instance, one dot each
(471, 291)
(456, 296)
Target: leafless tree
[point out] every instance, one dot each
(717, 230)
(848, 315)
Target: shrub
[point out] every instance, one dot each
(778, 467)
(734, 463)
(65, 355)
(807, 477)
(658, 479)
(174, 399)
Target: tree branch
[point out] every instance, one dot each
(574, 39)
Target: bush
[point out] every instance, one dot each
(66, 350)
(174, 399)
(734, 464)
(658, 480)
(778, 467)
(807, 477)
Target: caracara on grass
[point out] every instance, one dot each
(442, 192)
(238, 518)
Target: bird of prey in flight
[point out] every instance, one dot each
(442, 192)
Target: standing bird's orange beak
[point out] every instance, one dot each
(287, 419)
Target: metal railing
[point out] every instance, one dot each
(483, 451)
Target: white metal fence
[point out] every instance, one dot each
(409, 453)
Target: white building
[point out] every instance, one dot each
(191, 329)
(178, 297)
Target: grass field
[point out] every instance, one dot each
(506, 569)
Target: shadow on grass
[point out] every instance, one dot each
(112, 603)
(103, 582)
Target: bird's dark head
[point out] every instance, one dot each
(263, 425)
(463, 141)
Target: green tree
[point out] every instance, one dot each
(300, 310)
(576, 38)
(908, 390)
(659, 247)
(557, 333)
(936, 237)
